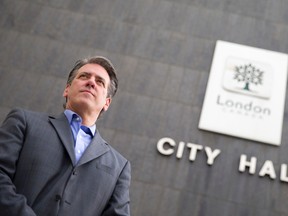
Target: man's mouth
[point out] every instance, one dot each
(87, 91)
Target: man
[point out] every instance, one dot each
(61, 165)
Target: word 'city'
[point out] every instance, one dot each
(167, 146)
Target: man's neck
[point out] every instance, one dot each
(88, 118)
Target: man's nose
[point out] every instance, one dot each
(91, 83)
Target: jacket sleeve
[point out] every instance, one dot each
(12, 136)
(119, 203)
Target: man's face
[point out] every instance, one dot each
(88, 90)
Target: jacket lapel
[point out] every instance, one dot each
(96, 148)
(63, 130)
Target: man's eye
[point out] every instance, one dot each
(83, 76)
(101, 82)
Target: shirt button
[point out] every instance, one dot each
(57, 198)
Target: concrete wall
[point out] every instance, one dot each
(163, 51)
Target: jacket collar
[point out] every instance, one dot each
(96, 148)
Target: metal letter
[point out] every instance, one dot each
(268, 169)
(211, 155)
(244, 163)
(193, 151)
(160, 146)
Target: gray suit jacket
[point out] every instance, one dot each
(37, 175)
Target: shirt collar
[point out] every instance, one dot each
(72, 115)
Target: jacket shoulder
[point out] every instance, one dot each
(28, 113)
(26, 116)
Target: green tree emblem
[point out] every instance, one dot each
(249, 75)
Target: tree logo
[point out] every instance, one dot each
(248, 74)
(248, 77)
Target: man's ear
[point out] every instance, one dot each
(107, 104)
(65, 92)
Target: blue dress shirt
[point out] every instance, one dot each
(82, 135)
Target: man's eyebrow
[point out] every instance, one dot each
(84, 72)
(100, 77)
(91, 74)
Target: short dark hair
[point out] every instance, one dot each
(105, 63)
